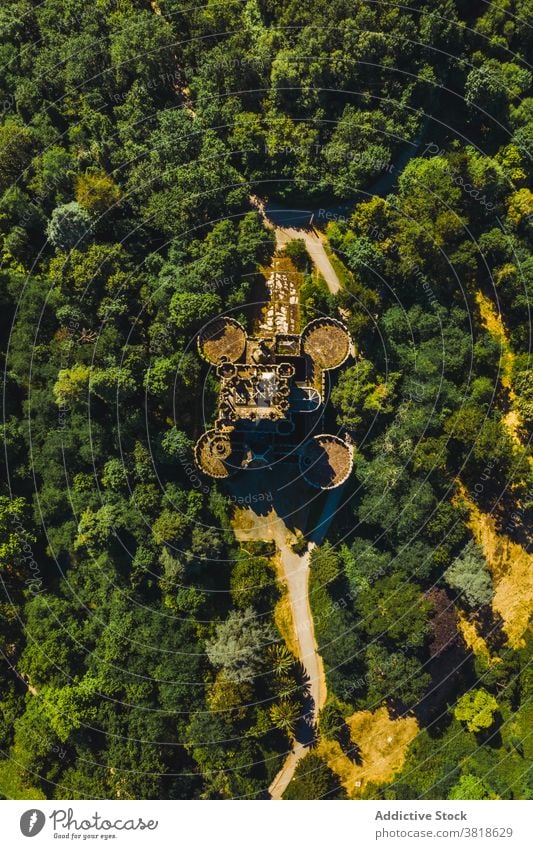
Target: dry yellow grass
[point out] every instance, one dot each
(283, 611)
(247, 525)
(474, 641)
(513, 424)
(494, 324)
(242, 523)
(383, 746)
(285, 624)
(511, 568)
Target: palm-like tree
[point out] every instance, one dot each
(285, 715)
(281, 658)
(285, 686)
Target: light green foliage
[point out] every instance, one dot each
(239, 644)
(72, 385)
(364, 564)
(469, 574)
(285, 715)
(69, 226)
(96, 192)
(476, 708)
(68, 708)
(96, 527)
(486, 88)
(173, 571)
(15, 536)
(470, 787)
(169, 526)
(281, 658)
(361, 394)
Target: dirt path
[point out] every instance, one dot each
(295, 575)
(294, 568)
(314, 242)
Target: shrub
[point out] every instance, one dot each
(69, 226)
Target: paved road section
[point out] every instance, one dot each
(314, 242)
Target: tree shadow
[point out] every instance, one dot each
(350, 749)
(305, 731)
(450, 670)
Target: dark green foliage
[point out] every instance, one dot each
(394, 608)
(313, 779)
(253, 582)
(140, 654)
(296, 251)
(394, 677)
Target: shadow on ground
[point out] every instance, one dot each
(279, 488)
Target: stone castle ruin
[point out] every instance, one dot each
(272, 388)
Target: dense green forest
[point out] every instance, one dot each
(140, 656)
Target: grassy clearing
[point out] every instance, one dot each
(285, 623)
(383, 744)
(11, 785)
(511, 568)
(474, 641)
(493, 322)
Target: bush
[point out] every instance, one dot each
(69, 226)
(297, 252)
(96, 193)
(239, 645)
(469, 574)
(477, 709)
(313, 779)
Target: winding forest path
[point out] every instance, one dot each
(294, 575)
(295, 568)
